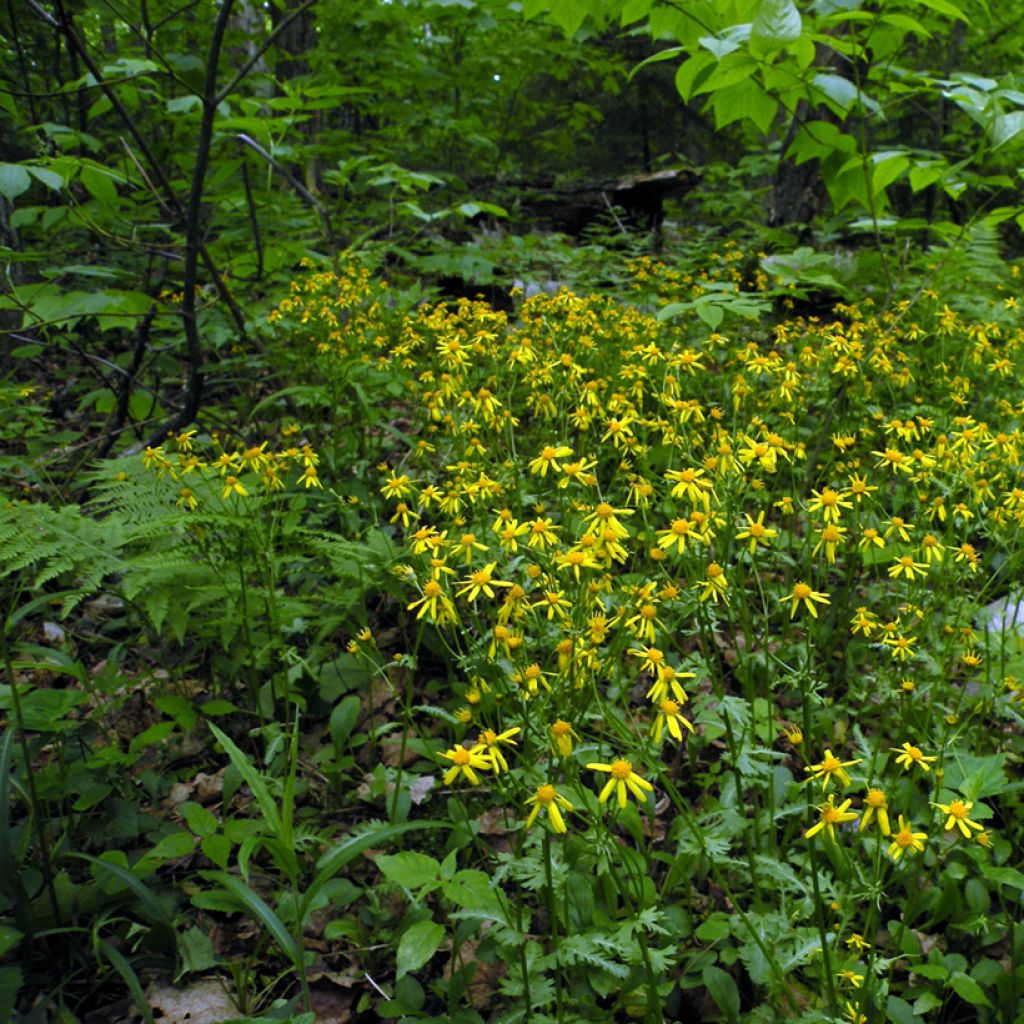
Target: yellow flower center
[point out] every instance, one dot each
(875, 798)
(914, 752)
(801, 591)
(830, 764)
(669, 707)
(460, 756)
(830, 815)
(648, 612)
(561, 728)
(680, 527)
(604, 511)
(431, 588)
(489, 736)
(546, 794)
(621, 770)
(481, 576)
(905, 838)
(714, 571)
(958, 809)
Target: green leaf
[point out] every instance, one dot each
(258, 908)
(737, 67)
(899, 1011)
(967, 989)
(51, 179)
(128, 976)
(99, 185)
(841, 91)
(777, 23)
(887, 170)
(689, 71)
(352, 846)
(155, 908)
(14, 179)
(474, 891)
(343, 720)
(722, 989)
(410, 869)
(9, 939)
(267, 804)
(183, 104)
(945, 7)
(1007, 128)
(417, 945)
(569, 15)
(201, 821)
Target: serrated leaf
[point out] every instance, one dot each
(411, 870)
(968, 989)
(416, 946)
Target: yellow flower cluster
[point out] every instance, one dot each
(588, 484)
(240, 470)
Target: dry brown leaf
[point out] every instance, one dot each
(204, 1002)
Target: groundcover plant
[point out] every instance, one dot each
(696, 651)
(578, 662)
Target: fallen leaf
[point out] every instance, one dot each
(204, 1002)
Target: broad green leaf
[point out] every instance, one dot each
(899, 1011)
(417, 945)
(343, 720)
(171, 847)
(887, 170)
(474, 891)
(689, 71)
(183, 104)
(778, 22)
(201, 821)
(351, 846)
(945, 7)
(968, 989)
(908, 24)
(411, 870)
(14, 179)
(51, 179)
(1007, 128)
(99, 185)
(737, 67)
(841, 91)
(722, 989)
(569, 15)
